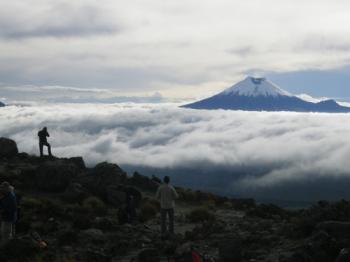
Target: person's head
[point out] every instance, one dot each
(166, 180)
(45, 128)
(5, 188)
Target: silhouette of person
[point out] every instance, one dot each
(167, 195)
(8, 207)
(43, 134)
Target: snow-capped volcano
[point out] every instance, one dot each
(253, 86)
(259, 94)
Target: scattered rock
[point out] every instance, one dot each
(19, 249)
(92, 235)
(75, 192)
(183, 249)
(148, 255)
(230, 249)
(344, 255)
(335, 228)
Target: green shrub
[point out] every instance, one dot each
(31, 203)
(200, 214)
(52, 208)
(187, 195)
(209, 204)
(95, 205)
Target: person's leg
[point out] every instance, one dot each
(163, 220)
(171, 220)
(41, 148)
(6, 231)
(49, 149)
(13, 230)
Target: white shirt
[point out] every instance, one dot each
(167, 195)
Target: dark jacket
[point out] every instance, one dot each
(42, 134)
(8, 208)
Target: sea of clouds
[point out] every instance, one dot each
(277, 155)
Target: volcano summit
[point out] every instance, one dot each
(259, 94)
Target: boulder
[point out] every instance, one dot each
(115, 196)
(104, 223)
(101, 176)
(92, 235)
(55, 176)
(78, 161)
(230, 249)
(8, 147)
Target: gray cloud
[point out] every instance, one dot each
(54, 19)
(240, 151)
(65, 94)
(193, 45)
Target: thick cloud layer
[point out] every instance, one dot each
(249, 151)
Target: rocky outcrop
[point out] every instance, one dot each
(149, 255)
(55, 176)
(8, 147)
(143, 182)
(2, 104)
(82, 214)
(230, 249)
(103, 175)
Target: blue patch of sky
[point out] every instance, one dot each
(318, 83)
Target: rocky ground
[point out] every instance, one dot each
(80, 213)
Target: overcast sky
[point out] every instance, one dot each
(177, 49)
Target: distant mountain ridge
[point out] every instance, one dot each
(259, 94)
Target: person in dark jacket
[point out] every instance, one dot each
(43, 134)
(8, 209)
(133, 198)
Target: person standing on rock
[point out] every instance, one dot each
(8, 208)
(167, 195)
(43, 134)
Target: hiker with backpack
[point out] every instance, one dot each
(167, 194)
(8, 209)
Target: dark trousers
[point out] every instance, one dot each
(131, 211)
(164, 213)
(41, 147)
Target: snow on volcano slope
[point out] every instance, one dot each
(255, 87)
(259, 94)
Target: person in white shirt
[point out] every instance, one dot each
(167, 195)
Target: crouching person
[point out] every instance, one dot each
(8, 209)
